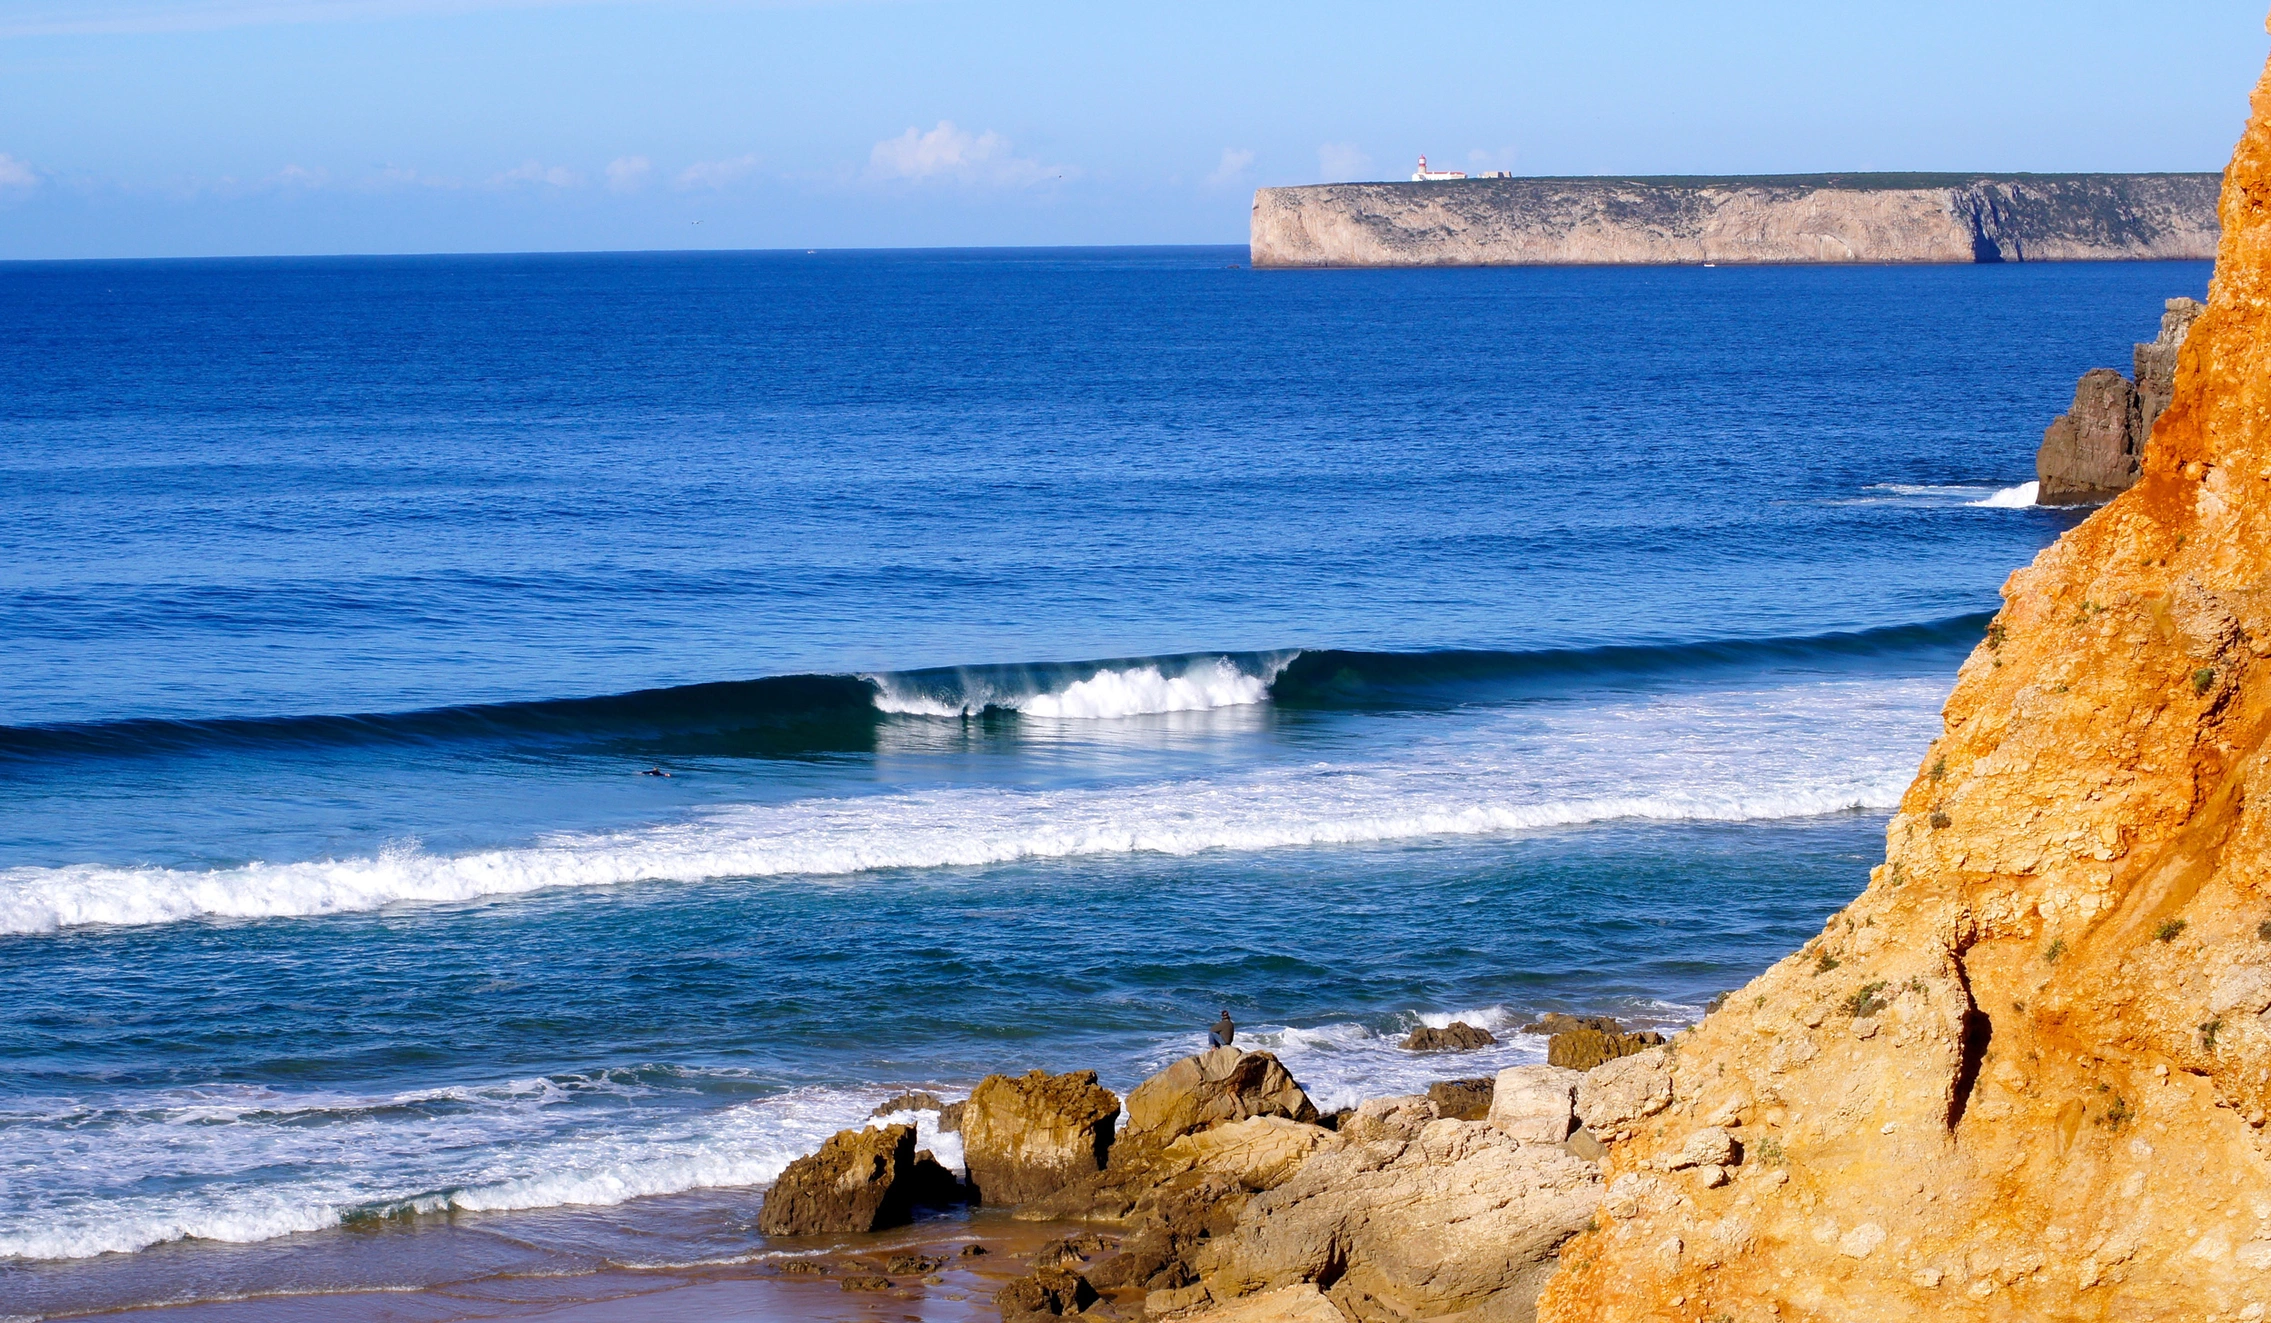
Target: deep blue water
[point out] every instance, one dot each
(1047, 648)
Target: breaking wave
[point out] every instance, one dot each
(1735, 755)
(796, 714)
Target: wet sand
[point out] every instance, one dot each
(559, 1265)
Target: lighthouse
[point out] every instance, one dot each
(1423, 174)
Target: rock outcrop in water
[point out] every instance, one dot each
(1775, 218)
(860, 1180)
(2089, 454)
(2026, 1074)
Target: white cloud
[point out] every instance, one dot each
(532, 172)
(299, 176)
(628, 174)
(1338, 162)
(957, 155)
(403, 176)
(16, 175)
(716, 174)
(1235, 161)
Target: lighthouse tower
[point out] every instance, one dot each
(1424, 174)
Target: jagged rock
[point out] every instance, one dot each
(1583, 1049)
(864, 1281)
(1460, 1217)
(1043, 1294)
(1613, 1096)
(1458, 1036)
(1389, 1120)
(2155, 363)
(913, 1265)
(910, 1101)
(950, 1117)
(858, 1181)
(1554, 1022)
(1536, 1104)
(1224, 1084)
(1028, 1136)
(2091, 452)
(1463, 1100)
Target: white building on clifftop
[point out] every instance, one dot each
(1423, 173)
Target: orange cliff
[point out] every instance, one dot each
(2026, 1074)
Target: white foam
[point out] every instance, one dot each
(1787, 751)
(2010, 498)
(1112, 693)
(211, 1157)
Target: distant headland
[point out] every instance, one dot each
(1676, 220)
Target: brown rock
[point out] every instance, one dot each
(858, 1181)
(1224, 1084)
(913, 1101)
(1535, 1103)
(1554, 1022)
(2090, 454)
(1028, 1136)
(2051, 1121)
(1463, 1100)
(1303, 1303)
(1045, 1293)
(1583, 1049)
(1458, 1036)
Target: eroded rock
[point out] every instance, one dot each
(1583, 1049)
(860, 1180)
(1536, 1104)
(1028, 1136)
(1618, 1093)
(1460, 1217)
(1224, 1084)
(1458, 1036)
(1463, 1100)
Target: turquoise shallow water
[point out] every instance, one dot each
(1047, 649)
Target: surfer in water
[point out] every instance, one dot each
(1223, 1031)
(654, 771)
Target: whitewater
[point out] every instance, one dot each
(1743, 754)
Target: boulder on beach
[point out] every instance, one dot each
(1458, 1036)
(1028, 1136)
(860, 1180)
(1221, 1085)
(1583, 1049)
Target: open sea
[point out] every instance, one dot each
(1045, 649)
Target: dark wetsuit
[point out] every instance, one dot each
(1222, 1033)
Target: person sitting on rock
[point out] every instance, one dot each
(1223, 1031)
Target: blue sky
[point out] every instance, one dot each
(184, 127)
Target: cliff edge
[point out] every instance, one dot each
(2025, 1075)
(1765, 219)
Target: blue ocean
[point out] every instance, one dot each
(533, 743)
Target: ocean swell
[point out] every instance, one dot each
(1740, 755)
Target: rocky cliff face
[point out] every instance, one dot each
(2090, 453)
(1791, 218)
(2026, 1074)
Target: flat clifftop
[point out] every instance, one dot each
(1672, 220)
(2027, 1073)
